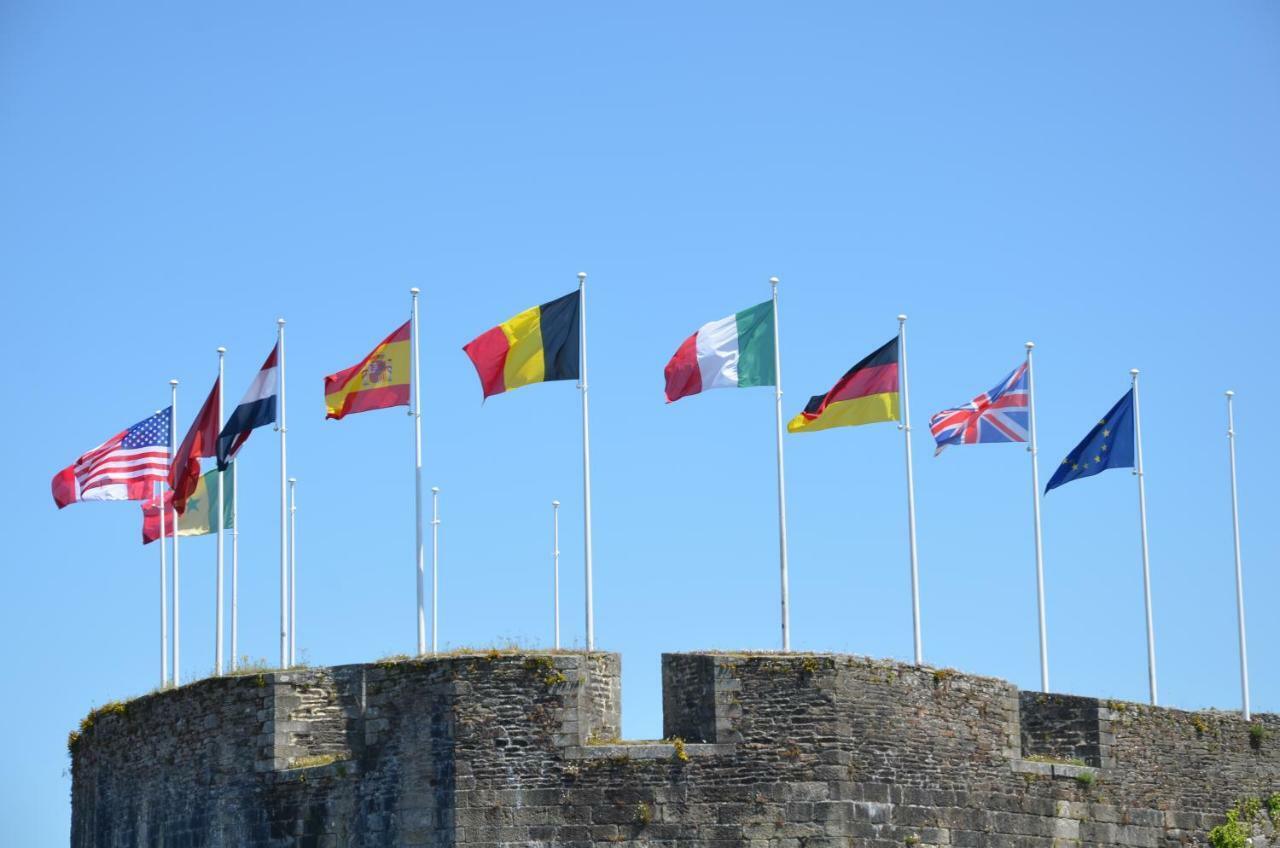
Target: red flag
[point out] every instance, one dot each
(151, 518)
(201, 440)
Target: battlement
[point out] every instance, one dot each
(762, 749)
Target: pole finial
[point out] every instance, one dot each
(280, 322)
(293, 479)
(1133, 371)
(773, 281)
(555, 503)
(901, 318)
(414, 291)
(1230, 393)
(435, 490)
(221, 350)
(1031, 345)
(173, 382)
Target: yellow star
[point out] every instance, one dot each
(1097, 459)
(1105, 433)
(1066, 462)
(1075, 467)
(1104, 447)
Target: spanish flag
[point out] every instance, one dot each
(537, 345)
(866, 394)
(379, 380)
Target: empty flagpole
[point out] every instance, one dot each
(284, 510)
(1235, 533)
(435, 563)
(555, 568)
(1146, 563)
(586, 462)
(417, 473)
(1034, 450)
(782, 491)
(293, 571)
(164, 594)
(235, 565)
(217, 522)
(177, 575)
(905, 426)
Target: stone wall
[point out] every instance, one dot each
(774, 751)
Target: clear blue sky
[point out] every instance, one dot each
(1101, 178)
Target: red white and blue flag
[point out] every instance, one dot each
(1000, 415)
(125, 467)
(256, 408)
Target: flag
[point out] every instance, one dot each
(256, 408)
(123, 468)
(538, 345)
(1000, 415)
(734, 352)
(198, 520)
(1108, 445)
(201, 440)
(867, 393)
(380, 380)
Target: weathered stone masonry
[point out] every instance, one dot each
(777, 751)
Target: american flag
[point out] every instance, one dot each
(123, 468)
(999, 415)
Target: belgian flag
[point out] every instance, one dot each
(866, 394)
(538, 345)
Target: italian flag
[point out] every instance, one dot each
(732, 353)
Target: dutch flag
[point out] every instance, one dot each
(257, 407)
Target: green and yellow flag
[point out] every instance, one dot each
(200, 517)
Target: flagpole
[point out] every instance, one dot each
(782, 492)
(235, 564)
(284, 510)
(911, 490)
(555, 567)
(435, 562)
(1033, 449)
(218, 518)
(173, 443)
(1235, 532)
(293, 571)
(417, 474)
(1146, 564)
(164, 594)
(586, 463)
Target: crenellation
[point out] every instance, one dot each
(775, 751)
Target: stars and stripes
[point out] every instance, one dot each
(1000, 415)
(123, 468)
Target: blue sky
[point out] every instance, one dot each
(1100, 178)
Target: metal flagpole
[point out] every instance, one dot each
(284, 511)
(555, 567)
(235, 564)
(164, 596)
(586, 462)
(782, 493)
(1235, 532)
(177, 573)
(217, 522)
(435, 563)
(905, 426)
(417, 474)
(1034, 450)
(1146, 563)
(293, 571)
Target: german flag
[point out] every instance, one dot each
(866, 394)
(538, 345)
(380, 380)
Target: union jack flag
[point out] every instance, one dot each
(999, 415)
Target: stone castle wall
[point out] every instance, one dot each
(774, 751)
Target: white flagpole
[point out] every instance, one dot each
(555, 568)
(284, 511)
(586, 463)
(417, 474)
(435, 563)
(164, 595)
(1034, 450)
(293, 571)
(217, 522)
(911, 489)
(1146, 563)
(177, 573)
(1235, 532)
(235, 564)
(782, 492)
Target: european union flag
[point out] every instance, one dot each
(1108, 445)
